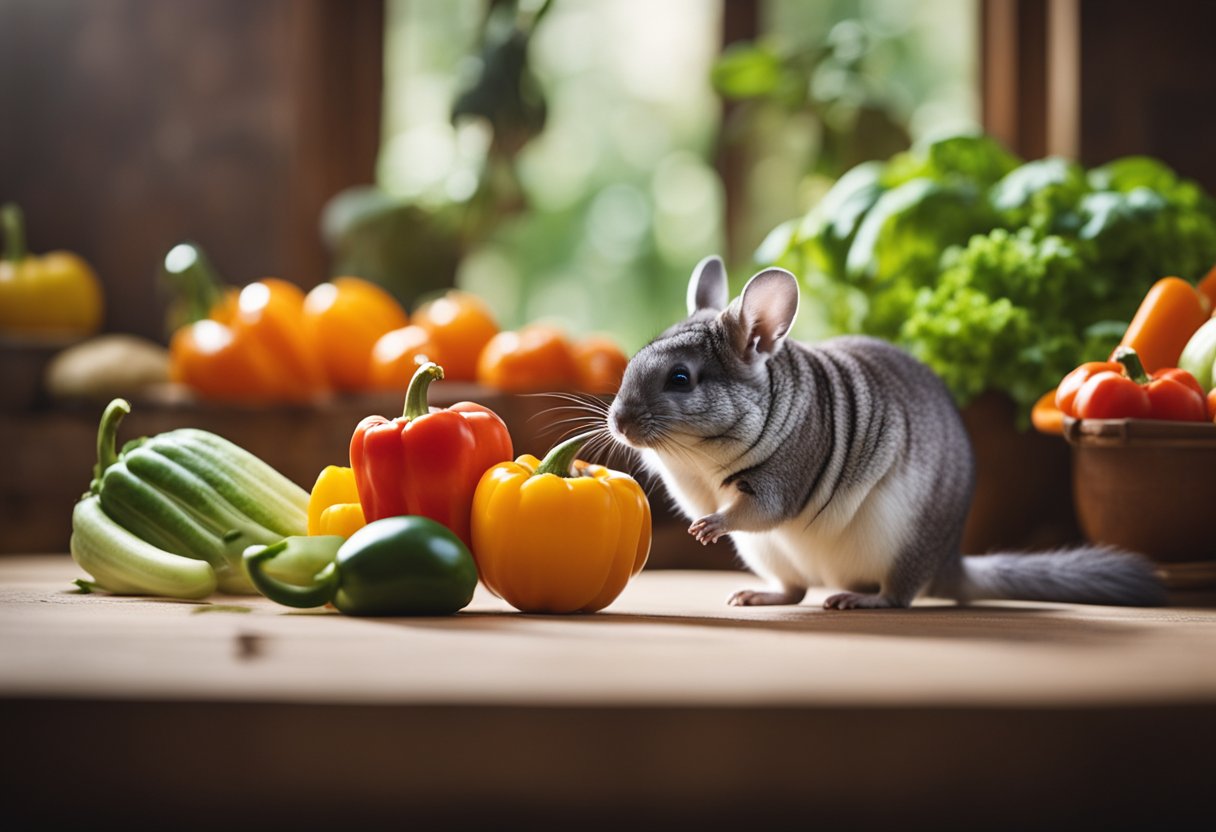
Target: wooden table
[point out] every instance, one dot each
(668, 707)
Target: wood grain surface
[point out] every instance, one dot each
(668, 706)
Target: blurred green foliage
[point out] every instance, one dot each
(557, 157)
(831, 84)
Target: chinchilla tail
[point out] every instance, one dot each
(1082, 575)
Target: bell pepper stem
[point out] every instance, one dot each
(14, 232)
(193, 280)
(416, 394)
(317, 594)
(560, 459)
(107, 445)
(1132, 364)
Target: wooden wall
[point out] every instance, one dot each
(1098, 79)
(131, 125)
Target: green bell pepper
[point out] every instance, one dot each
(405, 565)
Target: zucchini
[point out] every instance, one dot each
(123, 564)
(194, 494)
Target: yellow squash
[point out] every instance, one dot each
(559, 536)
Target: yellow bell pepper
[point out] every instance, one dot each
(55, 293)
(333, 505)
(561, 535)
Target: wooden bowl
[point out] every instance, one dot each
(1148, 486)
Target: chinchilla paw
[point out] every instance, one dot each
(766, 598)
(708, 529)
(858, 601)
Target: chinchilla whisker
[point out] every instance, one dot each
(583, 404)
(590, 420)
(567, 409)
(586, 400)
(693, 454)
(629, 458)
(570, 427)
(607, 449)
(591, 451)
(573, 431)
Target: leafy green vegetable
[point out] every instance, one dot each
(984, 321)
(907, 228)
(897, 248)
(831, 227)
(999, 275)
(1044, 194)
(974, 158)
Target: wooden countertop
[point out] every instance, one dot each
(667, 702)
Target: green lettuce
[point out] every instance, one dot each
(1001, 275)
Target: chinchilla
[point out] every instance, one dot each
(842, 463)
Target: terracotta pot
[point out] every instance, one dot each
(1023, 495)
(1145, 485)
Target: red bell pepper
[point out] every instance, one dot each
(1169, 393)
(428, 461)
(1071, 384)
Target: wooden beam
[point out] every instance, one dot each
(337, 83)
(740, 21)
(1014, 73)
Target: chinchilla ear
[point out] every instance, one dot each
(766, 311)
(707, 288)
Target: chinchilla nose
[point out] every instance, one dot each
(622, 420)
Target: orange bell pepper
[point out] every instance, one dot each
(1046, 416)
(1207, 286)
(599, 365)
(226, 306)
(428, 461)
(343, 318)
(460, 324)
(398, 354)
(559, 536)
(262, 356)
(218, 363)
(1167, 318)
(197, 292)
(536, 357)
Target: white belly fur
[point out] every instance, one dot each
(686, 484)
(854, 541)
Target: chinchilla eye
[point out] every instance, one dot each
(679, 379)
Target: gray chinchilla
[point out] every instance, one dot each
(843, 463)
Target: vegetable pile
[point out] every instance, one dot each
(1001, 275)
(1164, 367)
(173, 514)
(270, 342)
(430, 504)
